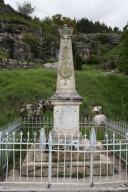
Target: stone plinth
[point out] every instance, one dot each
(66, 117)
(83, 169)
(69, 160)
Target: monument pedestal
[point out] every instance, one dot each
(66, 163)
(66, 117)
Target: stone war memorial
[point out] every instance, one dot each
(65, 151)
(65, 139)
(63, 99)
(66, 100)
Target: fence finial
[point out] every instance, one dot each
(0, 136)
(28, 135)
(106, 135)
(93, 138)
(21, 136)
(85, 136)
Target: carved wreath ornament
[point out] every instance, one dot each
(65, 70)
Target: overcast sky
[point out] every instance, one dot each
(111, 12)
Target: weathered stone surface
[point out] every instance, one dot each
(65, 87)
(22, 51)
(67, 156)
(74, 160)
(7, 43)
(66, 100)
(80, 167)
(99, 119)
(34, 110)
(51, 65)
(12, 64)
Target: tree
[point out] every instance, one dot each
(25, 8)
(86, 26)
(116, 30)
(59, 20)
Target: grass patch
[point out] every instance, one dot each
(19, 87)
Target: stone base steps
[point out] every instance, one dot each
(78, 167)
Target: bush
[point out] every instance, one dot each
(94, 60)
(123, 53)
(3, 54)
(123, 65)
(78, 62)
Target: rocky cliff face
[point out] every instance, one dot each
(87, 45)
(23, 40)
(10, 34)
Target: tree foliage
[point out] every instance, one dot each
(123, 52)
(60, 20)
(25, 8)
(86, 26)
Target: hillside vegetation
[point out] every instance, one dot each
(19, 87)
(23, 38)
(121, 53)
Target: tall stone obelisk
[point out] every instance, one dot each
(66, 100)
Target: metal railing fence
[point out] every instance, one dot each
(58, 160)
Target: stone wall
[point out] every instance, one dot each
(13, 64)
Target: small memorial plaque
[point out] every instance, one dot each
(66, 117)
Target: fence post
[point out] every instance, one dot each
(50, 160)
(93, 147)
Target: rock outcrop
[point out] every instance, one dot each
(86, 45)
(22, 51)
(24, 40)
(13, 64)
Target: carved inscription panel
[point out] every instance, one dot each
(66, 117)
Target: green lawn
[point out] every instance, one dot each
(19, 87)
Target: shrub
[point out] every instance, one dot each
(78, 62)
(33, 42)
(94, 60)
(3, 54)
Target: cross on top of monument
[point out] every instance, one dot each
(66, 31)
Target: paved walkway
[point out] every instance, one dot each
(62, 188)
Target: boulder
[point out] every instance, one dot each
(51, 65)
(7, 43)
(99, 119)
(12, 64)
